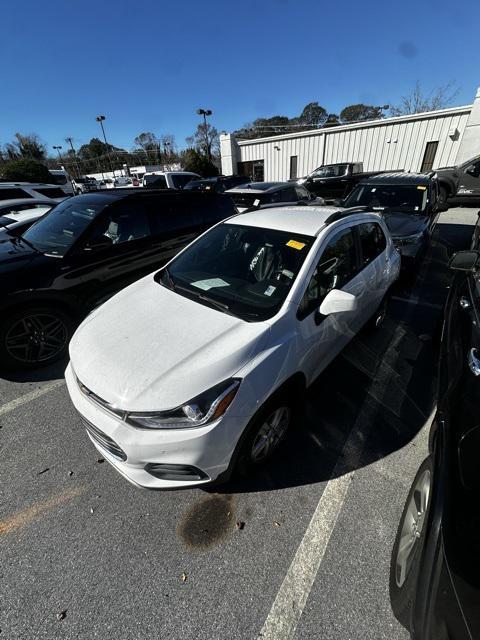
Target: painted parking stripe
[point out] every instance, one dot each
(417, 302)
(292, 596)
(28, 397)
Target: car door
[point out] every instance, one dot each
(321, 338)
(470, 179)
(372, 280)
(115, 250)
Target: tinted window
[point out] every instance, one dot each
(122, 223)
(303, 194)
(59, 178)
(12, 193)
(372, 240)
(51, 192)
(158, 182)
(330, 171)
(380, 197)
(179, 181)
(245, 271)
(284, 195)
(337, 266)
(57, 231)
(171, 215)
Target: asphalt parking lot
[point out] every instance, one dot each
(299, 550)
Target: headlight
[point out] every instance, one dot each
(205, 408)
(403, 240)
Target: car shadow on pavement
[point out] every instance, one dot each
(54, 371)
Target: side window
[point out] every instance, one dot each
(122, 224)
(337, 266)
(12, 193)
(372, 240)
(175, 215)
(474, 169)
(303, 194)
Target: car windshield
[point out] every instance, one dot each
(330, 171)
(243, 271)
(408, 199)
(57, 231)
(249, 199)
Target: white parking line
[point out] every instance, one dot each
(292, 596)
(416, 301)
(28, 397)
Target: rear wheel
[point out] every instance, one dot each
(407, 550)
(34, 337)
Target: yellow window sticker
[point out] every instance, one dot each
(422, 187)
(295, 244)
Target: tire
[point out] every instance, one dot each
(443, 194)
(379, 316)
(260, 442)
(32, 337)
(405, 565)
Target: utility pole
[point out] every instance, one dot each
(100, 119)
(205, 113)
(59, 154)
(69, 141)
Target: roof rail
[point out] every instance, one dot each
(342, 213)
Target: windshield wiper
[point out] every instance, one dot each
(215, 303)
(171, 283)
(27, 242)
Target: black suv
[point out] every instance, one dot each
(435, 577)
(251, 196)
(410, 204)
(83, 251)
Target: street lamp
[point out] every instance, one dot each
(205, 113)
(100, 119)
(58, 151)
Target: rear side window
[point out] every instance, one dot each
(179, 181)
(12, 193)
(51, 192)
(372, 240)
(336, 267)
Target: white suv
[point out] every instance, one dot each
(169, 179)
(196, 369)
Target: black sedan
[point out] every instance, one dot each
(435, 567)
(410, 205)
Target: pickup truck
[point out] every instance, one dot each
(336, 180)
(462, 181)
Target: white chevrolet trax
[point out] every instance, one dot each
(195, 370)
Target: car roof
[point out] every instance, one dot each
(259, 187)
(400, 178)
(32, 201)
(308, 221)
(112, 195)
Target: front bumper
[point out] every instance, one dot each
(208, 449)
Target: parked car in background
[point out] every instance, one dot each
(84, 185)
(410, 205)
(218, 183)
(211, 355)
(255, 194)
(462, 181)
(335, 180)
(22, 190)
(434, 576)
(122, 182)
(168, 179)
(24, 211)
(80, 253)
(64, 180)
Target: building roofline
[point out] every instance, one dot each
(361, 125)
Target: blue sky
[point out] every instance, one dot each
(147, 66)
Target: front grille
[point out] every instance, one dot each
(99, 401)
(104, 441)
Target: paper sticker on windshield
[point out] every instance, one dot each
(256, 202)
(210, 284)
(295, 244)
(270, 290)
(422, 187)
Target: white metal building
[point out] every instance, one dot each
(416, 142)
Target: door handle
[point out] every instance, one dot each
(474, 362)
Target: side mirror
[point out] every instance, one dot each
(104, 242)
(465, 261)
(337, 301)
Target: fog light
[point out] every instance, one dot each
(175, 472)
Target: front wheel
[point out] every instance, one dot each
(265, 434)
(34, 337)
(409, 542)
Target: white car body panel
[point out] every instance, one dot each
(151, 349)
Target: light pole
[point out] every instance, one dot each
(69, 141)
(58, 151)
(205, 113)
(100, 119)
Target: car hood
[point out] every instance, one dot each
(14, 254)
(405, 224)
(149, 348)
